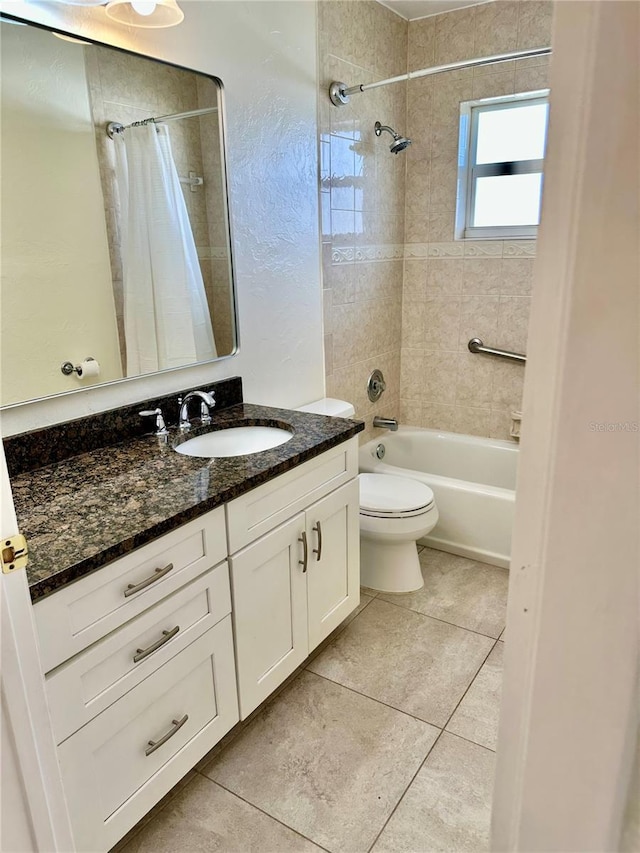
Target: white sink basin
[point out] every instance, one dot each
(236, 441)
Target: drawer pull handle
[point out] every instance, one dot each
(166, 636)
(305, 548)
(318, 550)
(136, 587)
(156, 744)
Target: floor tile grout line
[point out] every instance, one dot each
(145, 821)
(468, 740)
(337, 632)
(261, 810)
(444, 728)
(290, 679)
(402, 796)
(437, 618)
(471, 683)
(379, 701)
(442, 731)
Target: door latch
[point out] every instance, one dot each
(15, 553)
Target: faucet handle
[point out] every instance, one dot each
(205, 417)
(161, 428)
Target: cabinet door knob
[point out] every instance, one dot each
(305, 551)
(318, 550)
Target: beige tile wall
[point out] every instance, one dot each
(414, 320)
(362, 202)
(455, 291)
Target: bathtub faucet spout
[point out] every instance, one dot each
(385, 423)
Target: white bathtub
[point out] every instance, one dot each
(473, 480)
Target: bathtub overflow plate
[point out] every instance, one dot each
(376, 385)
(380, 451)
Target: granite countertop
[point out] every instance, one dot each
(90, 509)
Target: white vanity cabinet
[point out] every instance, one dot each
(293, 585)
(135, 703)
(145, 659)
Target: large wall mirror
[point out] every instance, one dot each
(116, 251)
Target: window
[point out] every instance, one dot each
(500, 166)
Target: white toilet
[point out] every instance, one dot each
(394, 513)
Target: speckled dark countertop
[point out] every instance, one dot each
(85, 511)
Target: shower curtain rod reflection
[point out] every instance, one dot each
(116, 127)
(339, 93)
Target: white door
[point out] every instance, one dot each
(269, 611)
(33, 811)
(333, 576)
(569, 702)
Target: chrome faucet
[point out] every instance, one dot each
(385, 423)
(207, 403)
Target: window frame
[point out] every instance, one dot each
(469, 171)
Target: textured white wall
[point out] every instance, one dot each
(49, 151)
(265, 53)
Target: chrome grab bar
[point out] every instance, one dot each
(476, 345)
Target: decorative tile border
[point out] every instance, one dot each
(483, 249)
(472, 249)
(366, 254)
(454, 249)
(519, 249)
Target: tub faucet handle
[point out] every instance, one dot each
(376, 385)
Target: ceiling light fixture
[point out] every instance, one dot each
(145, 13)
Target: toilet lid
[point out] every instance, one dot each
(385, 494)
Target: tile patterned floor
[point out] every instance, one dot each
(385, 742)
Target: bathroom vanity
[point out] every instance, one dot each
(173, 594)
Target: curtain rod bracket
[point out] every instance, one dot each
(114, 127)
(338, 94)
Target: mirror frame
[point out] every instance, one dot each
(4, 16)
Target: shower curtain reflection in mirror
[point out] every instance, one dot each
(166, 316)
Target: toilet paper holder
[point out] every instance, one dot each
(67, 367)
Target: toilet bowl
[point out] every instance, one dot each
(394, 513)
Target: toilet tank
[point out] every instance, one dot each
(329, 406)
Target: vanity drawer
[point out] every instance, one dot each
(69, 620)
(90, 682)
(110, 776)
(260, 510)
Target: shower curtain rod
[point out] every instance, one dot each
(339, 93)
(116, 127)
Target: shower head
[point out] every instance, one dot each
(399, 142)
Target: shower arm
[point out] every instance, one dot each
(339, 93)
(380, 127)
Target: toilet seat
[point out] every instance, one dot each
(388, 496)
